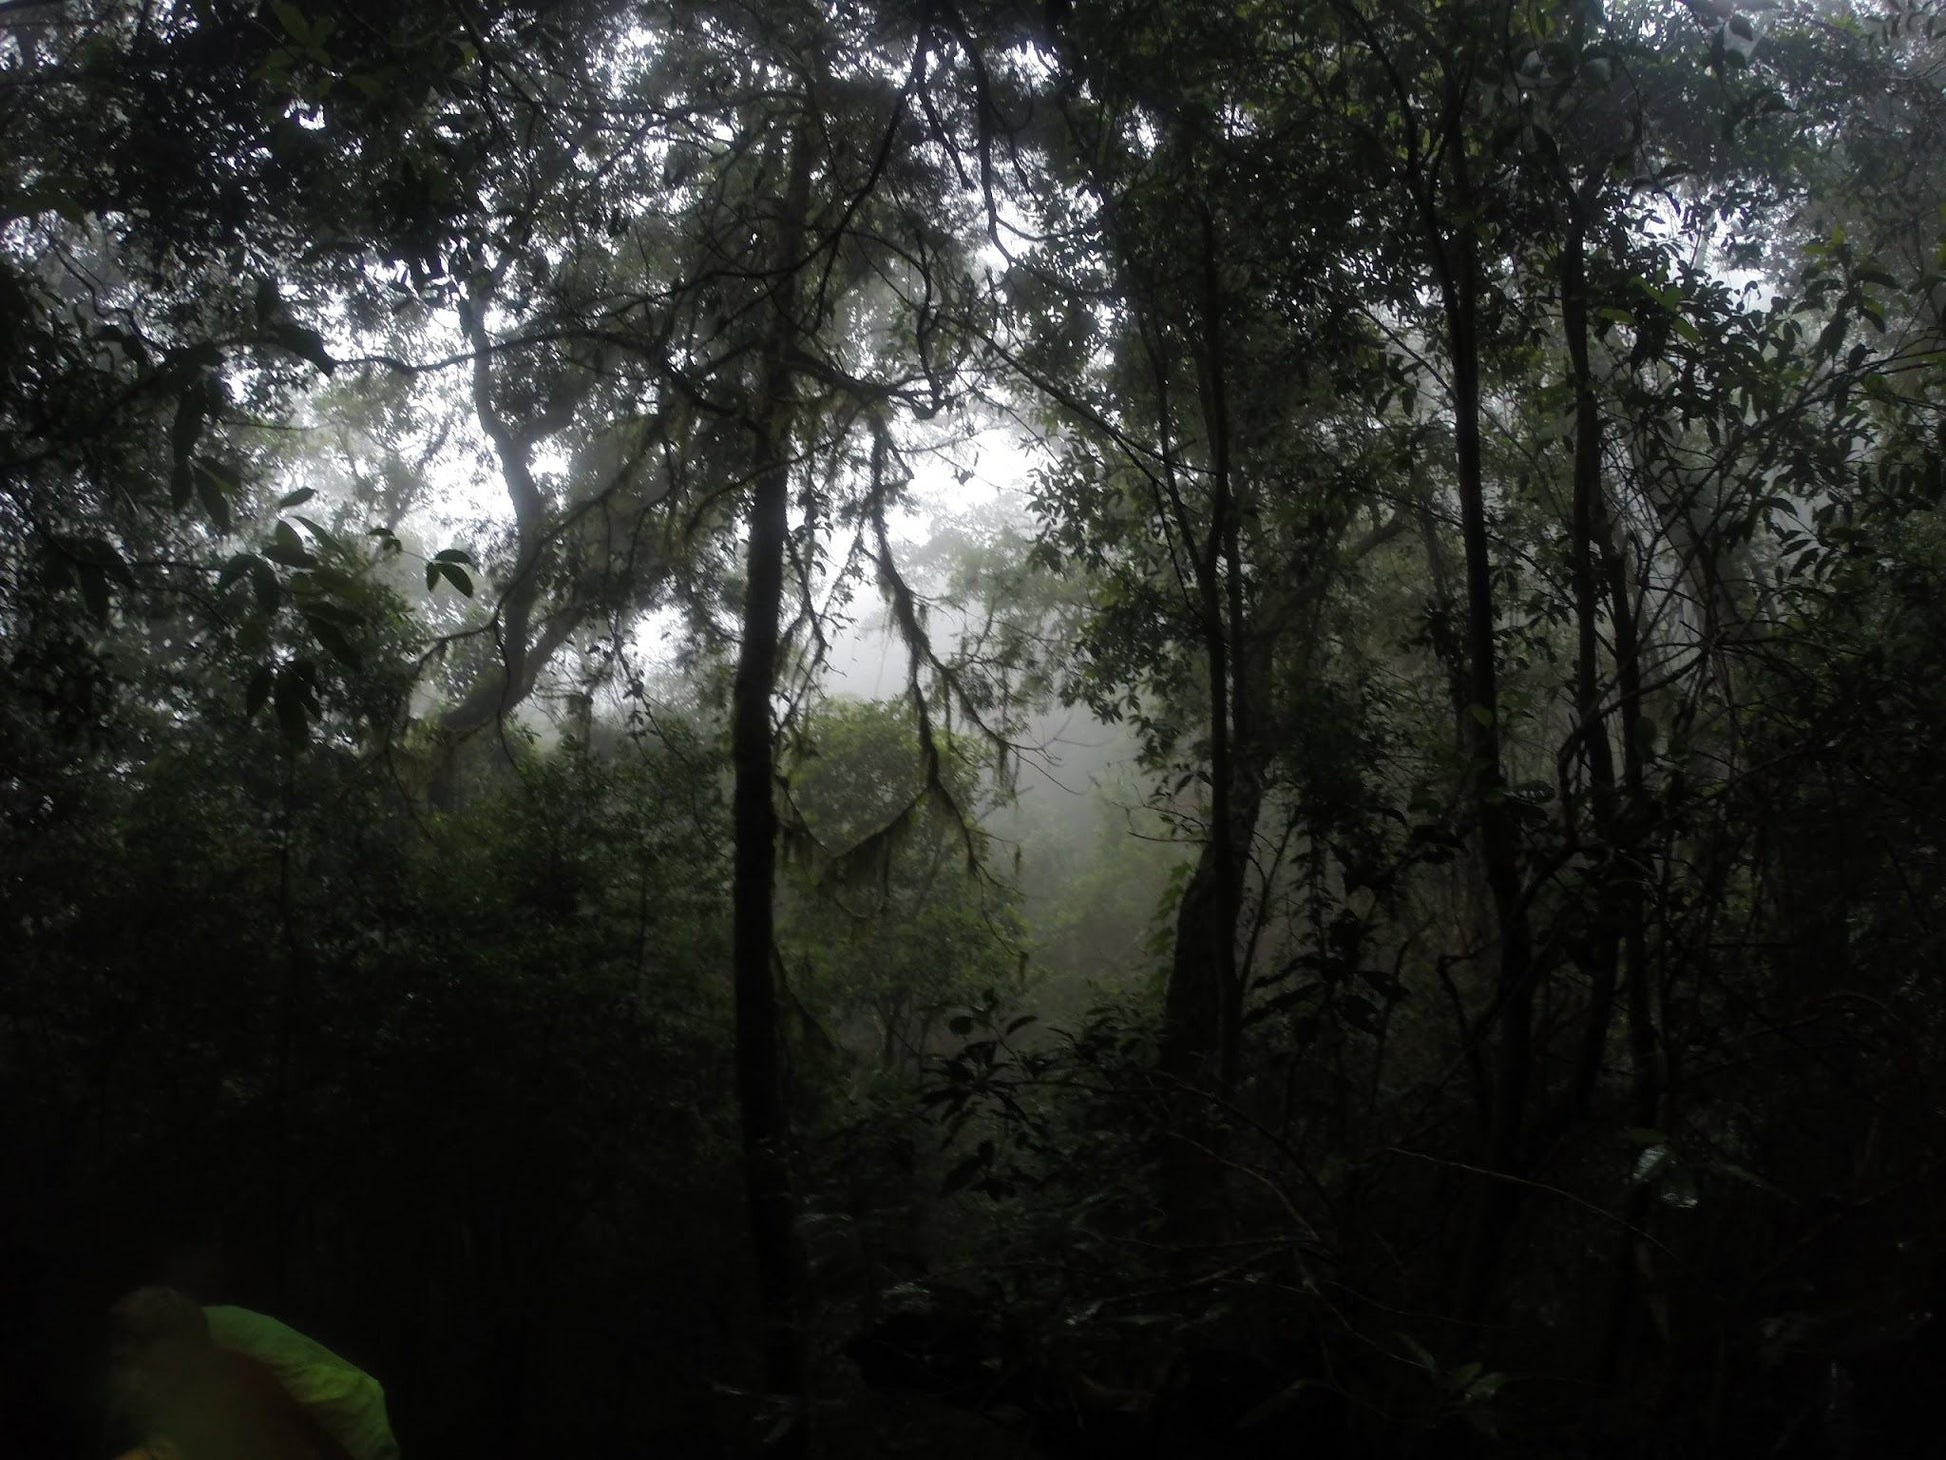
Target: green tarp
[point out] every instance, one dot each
(345, 1399)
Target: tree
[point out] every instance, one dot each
(894, 914)
(1215, 495)
(1491, 468)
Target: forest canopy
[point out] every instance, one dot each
(1385, 894)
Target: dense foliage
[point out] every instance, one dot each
(1387, 905)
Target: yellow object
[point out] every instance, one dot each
(345, 1399)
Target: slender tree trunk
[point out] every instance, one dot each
(500, 689)
(1203, 1006)
(1619, 940)
(759, 1070)
(1645, 1075)
(1202, 1023)
(1201, 1010)
(1243, 770)
(1590, 535)
(1471, 922)
(1455, 251)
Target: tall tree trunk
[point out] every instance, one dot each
(500, 689)
(1455, 251)
(1243, 773)
(1589, 531)
(759, 1069)
(1203, 1005)
(1632, 815)
(1202, 1023)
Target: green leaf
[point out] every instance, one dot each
(1419, 1352)
(318, 531)
(329, 579)
(213, 488)
(453, 573)
(1678, 1188)
(1650, 1164)
(287, 548)
(107, 557)
(292, 19)
(235, 570)
(1482, 1389)
(258, 690)
(191, 411)
(1482, 716)
(305, 343)
(296, 499)
(214, 493)
(290, 701)
(334, 639)
(92, 563)
(270, 592)
(94, 589)
(453, 555)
